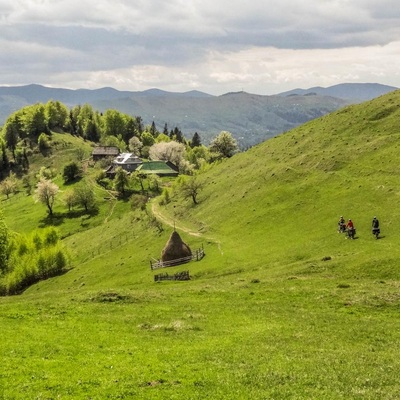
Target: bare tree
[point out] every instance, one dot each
(191, 188)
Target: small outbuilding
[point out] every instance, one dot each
(101, 152)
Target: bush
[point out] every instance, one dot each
(165, 197)
(43, 142)
(71, 172)
(32, 259)
(138, 201)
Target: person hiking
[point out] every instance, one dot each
(350, 229)
(375, 227)
(341, 225)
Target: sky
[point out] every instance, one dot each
(214, 46)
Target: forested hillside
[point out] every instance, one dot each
(250, 118)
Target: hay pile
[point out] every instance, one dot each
(175, 249)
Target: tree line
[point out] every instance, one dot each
(32, 126)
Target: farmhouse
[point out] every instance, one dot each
(101, 152)
(127, 161)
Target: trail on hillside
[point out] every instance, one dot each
(173, 224)
(167, 221)
(110, 194)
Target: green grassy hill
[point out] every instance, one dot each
(281, 307)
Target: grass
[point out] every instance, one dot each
(281, 307)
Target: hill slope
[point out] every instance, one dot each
(282, 306)
(284, 196)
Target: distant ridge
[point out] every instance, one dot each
(354, 92)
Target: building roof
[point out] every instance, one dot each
(105, 151)
(157, 167)
(127, 158)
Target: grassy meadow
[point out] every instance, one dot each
(281, 307)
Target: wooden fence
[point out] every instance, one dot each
(197, 256)
(179, 276)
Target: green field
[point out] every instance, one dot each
(281, 307)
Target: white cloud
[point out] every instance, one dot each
(215, 46)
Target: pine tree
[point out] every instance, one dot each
(196, 141)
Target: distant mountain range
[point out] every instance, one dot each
(250, 118)
(353, 92)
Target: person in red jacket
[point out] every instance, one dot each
(350, 229)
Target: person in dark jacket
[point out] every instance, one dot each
(341, 224)
(375, 226)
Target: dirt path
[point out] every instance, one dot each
(167, 221)
(170, 222)
(110, 195)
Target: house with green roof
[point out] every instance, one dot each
(160, 168)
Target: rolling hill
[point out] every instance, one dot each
(250, 118)
(282, 306)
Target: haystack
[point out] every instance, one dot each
(175, 249)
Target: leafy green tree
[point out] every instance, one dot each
(131, 129)
(224, 145)
(139, 124)
(91, 131)
(11, 134)
(85, 122)
(4, 240)
(135, 145)
(114, 123)
(198, 156)
(56, 114)
(121, 180)
(69, 199)
(4, 162)
(71, 172)
(34, 120)
(154, 182)
(162, 138)
(84, 195)
(147, 139)
(138, 177)
(46, 173)
(46, 192)
(26, 184)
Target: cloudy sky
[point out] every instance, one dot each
(215, 46)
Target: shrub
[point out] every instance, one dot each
(138, 201)
(71, 172)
